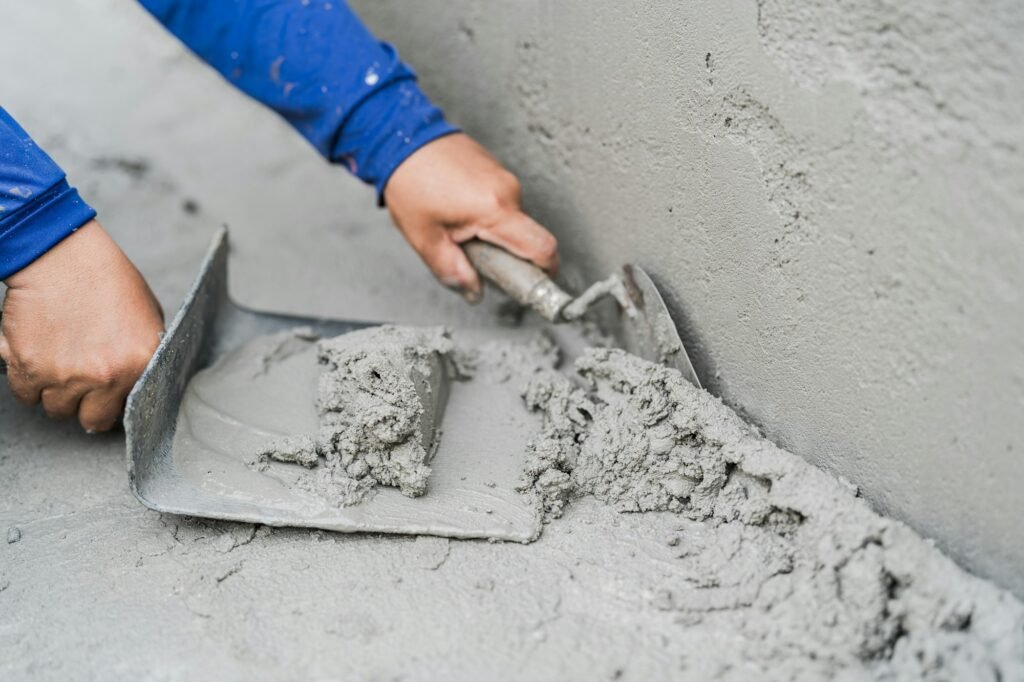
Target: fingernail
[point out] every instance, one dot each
(451, 283)
(472, 297)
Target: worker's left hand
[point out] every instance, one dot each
(450, 191)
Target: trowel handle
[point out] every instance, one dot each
(520, 279)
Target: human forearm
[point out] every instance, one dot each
(79, 322)
(38, 208)
(318, 66)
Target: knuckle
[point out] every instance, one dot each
(62, 374)
(105, 374)
(25, 397)
(125, 368)
(25, 360)
(510, 186)
(23, 386)
(504, 193)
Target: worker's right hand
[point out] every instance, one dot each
(451, 191)
(79, 326)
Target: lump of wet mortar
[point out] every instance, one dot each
(641, 439)
(295, 449)
(380, 399)
(772, 548)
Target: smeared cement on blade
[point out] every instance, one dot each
(249, 423)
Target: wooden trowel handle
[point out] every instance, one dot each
(520, 279)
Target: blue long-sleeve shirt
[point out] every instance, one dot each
(312, 61)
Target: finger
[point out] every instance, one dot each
(100, 410)
(449, 263)
(522, 236)
(23, 386)
(61, 402)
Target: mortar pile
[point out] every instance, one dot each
(771, 548)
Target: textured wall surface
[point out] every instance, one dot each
(830, 193)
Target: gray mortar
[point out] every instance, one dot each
(797, 559)
(828, 194)
(898, 398)
(290, 449)
(768, 546)
(506, 361)
(380, 400)
(637, 440)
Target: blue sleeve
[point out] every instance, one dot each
(37, 206)
(317, 65)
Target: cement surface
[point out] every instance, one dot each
(381, 398)
(94, 587)
(829, 194)
(796, 561)
(238, 416)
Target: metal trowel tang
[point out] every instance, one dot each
(647, 327)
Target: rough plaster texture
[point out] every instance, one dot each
(798, 563)
(381, 398)
(164, 151)
(830, 195)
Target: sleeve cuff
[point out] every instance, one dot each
(385, 129)
(38, 227)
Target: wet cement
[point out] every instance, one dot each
(381, 397)
(787, 184)
(388, 429)
(802, 572)
(796, 559)
(97, 587)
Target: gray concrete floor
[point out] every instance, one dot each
(97, 587)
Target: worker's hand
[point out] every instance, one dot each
(450, 191)
(79, 327)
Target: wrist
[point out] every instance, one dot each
(372, 151)
(40, 226)
(65, 260)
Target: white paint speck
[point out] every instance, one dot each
(234, 55)
(23, 192)
(323, 89)
(372, 77)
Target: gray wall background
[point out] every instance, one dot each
(830, 193)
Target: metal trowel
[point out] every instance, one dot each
(645, 323)
(174, 468)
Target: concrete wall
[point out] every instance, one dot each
(832, 195)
